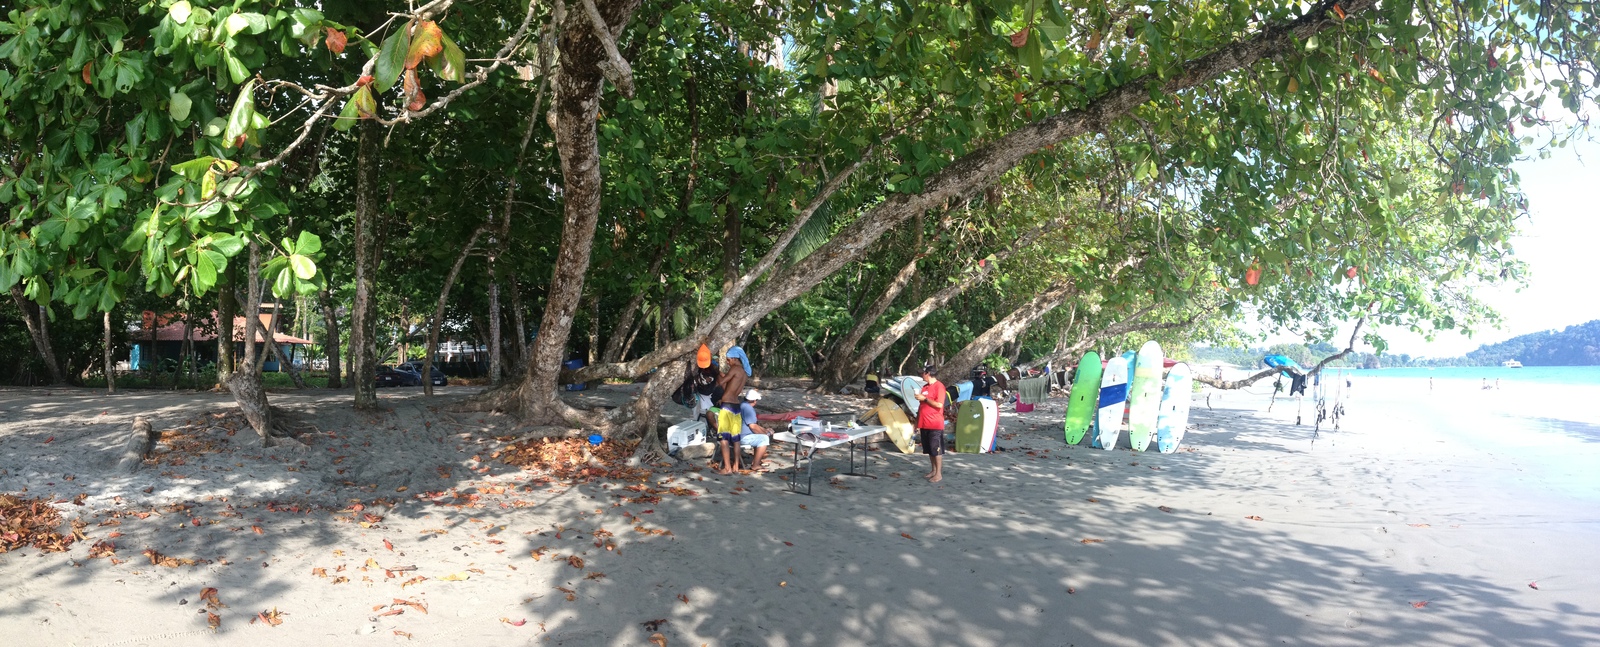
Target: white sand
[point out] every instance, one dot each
(1377, 517)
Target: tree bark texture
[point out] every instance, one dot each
(363, 345)
(438, 310)
(576, 104)
(1004, 331)
(245, 383)
(39, 329)
(331, 342)
(227, 309)
(111, 373)
(496, 353)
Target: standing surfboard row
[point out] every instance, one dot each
(1156, 410)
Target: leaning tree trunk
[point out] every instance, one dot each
(438, 311)
(831, 377)
(363, 345)
(1004, 331)
(39, 329)
(585, 47)
(331, 342)
(245, 383)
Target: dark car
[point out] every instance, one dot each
(391, 376)
(437, 374)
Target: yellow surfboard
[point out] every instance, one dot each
(901, 433)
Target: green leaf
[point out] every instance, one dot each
(179, 12)
(241, 119)
(452, 64)
(391, 60)
(236, 69)
(304, 267)
(228, 245)
(205, 271)
(235, 24)
(283, 285)
(195, 168)
(178, 106)
(308, 244)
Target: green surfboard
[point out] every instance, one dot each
(1144, 396)
(969, 427)
(1085, 397)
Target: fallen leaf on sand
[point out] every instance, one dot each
(414, 580)
(272, 618)
(213, 620)
(340, 580)
(319, 572)
(784, 584)
(684, 598)
(538, 553)
(257, 530)
(1092, 500)
(1533, 585)
(658, 640)
(1253, 518)
(653, 625)
(406, 635)
(571, 597)
(575, 561)
(788, 543)
(392, 612)
(802, 506)
(1421, 604)
(53, 438)
(1091, 541)
(209, 594)
(1164, 509)
(514, 623)
(388, 545)
(1418, 525)
(456, 577)
(1071, 590)
(907, 536)
(595, 575)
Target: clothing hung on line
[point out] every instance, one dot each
(1033, 390)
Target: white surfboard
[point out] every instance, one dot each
(991, 423)
(1113, 395)
(1174, 416)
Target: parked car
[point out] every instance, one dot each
(436, 373)
(394, 376)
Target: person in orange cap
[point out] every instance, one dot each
(706, 390)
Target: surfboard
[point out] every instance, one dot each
(1144, 396)
(1174, 417)
(1084, 399)
(907, 387)
(970, 426)
(900, 430)
(1113, 395)
(991, 423)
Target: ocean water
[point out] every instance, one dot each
(1545, 419)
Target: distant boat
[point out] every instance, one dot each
(1511, 363)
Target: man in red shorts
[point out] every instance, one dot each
(930, 421)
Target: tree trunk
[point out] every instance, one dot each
(227, 309)
(594, 330)
(111, 373)
(38, 328)
(521, 324)
(185, 351)
(245, 383)
(576, 104)
(331, 342)
(438, 311)
(1005, 331)
(496, 369)
(830, 377)
(732, 233)
(363, 345)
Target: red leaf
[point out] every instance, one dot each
(88, 69)
(388, 545)
(1533, 585)
(1020, 38)
(257, 530)
(1252, 276)
(363, 80)
(426, 42)
(1339, 11)
(1421, 604)
(787, 543)
(336, 40)
(49, 440)
(908, 536)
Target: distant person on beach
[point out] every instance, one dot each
(733, 379)
(705, 381)
(872, 384)
(1430, 384)
(752, 434)
(1497, 384)
(1486, 384)
(930, 422)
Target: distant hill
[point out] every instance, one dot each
(1575, 346)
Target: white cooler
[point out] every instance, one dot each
(683, 434)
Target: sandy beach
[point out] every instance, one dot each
(1385, 532)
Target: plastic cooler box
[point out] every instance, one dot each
(683, 434)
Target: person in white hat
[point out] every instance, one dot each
(755, 436)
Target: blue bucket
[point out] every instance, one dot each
(595, 439)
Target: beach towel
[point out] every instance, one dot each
(1033, 390)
